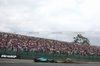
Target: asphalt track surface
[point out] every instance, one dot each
(45, 64)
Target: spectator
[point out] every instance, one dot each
(13, 42)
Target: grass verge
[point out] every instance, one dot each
(15, 62)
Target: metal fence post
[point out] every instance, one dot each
(6, 43)
(45, 47)
(27, 49)
(17, 45)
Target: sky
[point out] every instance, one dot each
(52, 19)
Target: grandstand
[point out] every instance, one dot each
(35, 46)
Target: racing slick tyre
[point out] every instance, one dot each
(36, 60)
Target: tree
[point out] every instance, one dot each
(81, 40)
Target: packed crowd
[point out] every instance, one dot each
(15, 42)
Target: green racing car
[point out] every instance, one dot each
(44, 60)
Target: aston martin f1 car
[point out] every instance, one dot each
(44, 60)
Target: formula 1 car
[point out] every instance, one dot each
(44, 60)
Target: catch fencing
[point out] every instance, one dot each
(31, 55)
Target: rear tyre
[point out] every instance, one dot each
(36, 60)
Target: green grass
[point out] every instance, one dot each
(15, 62)
(22, 62)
